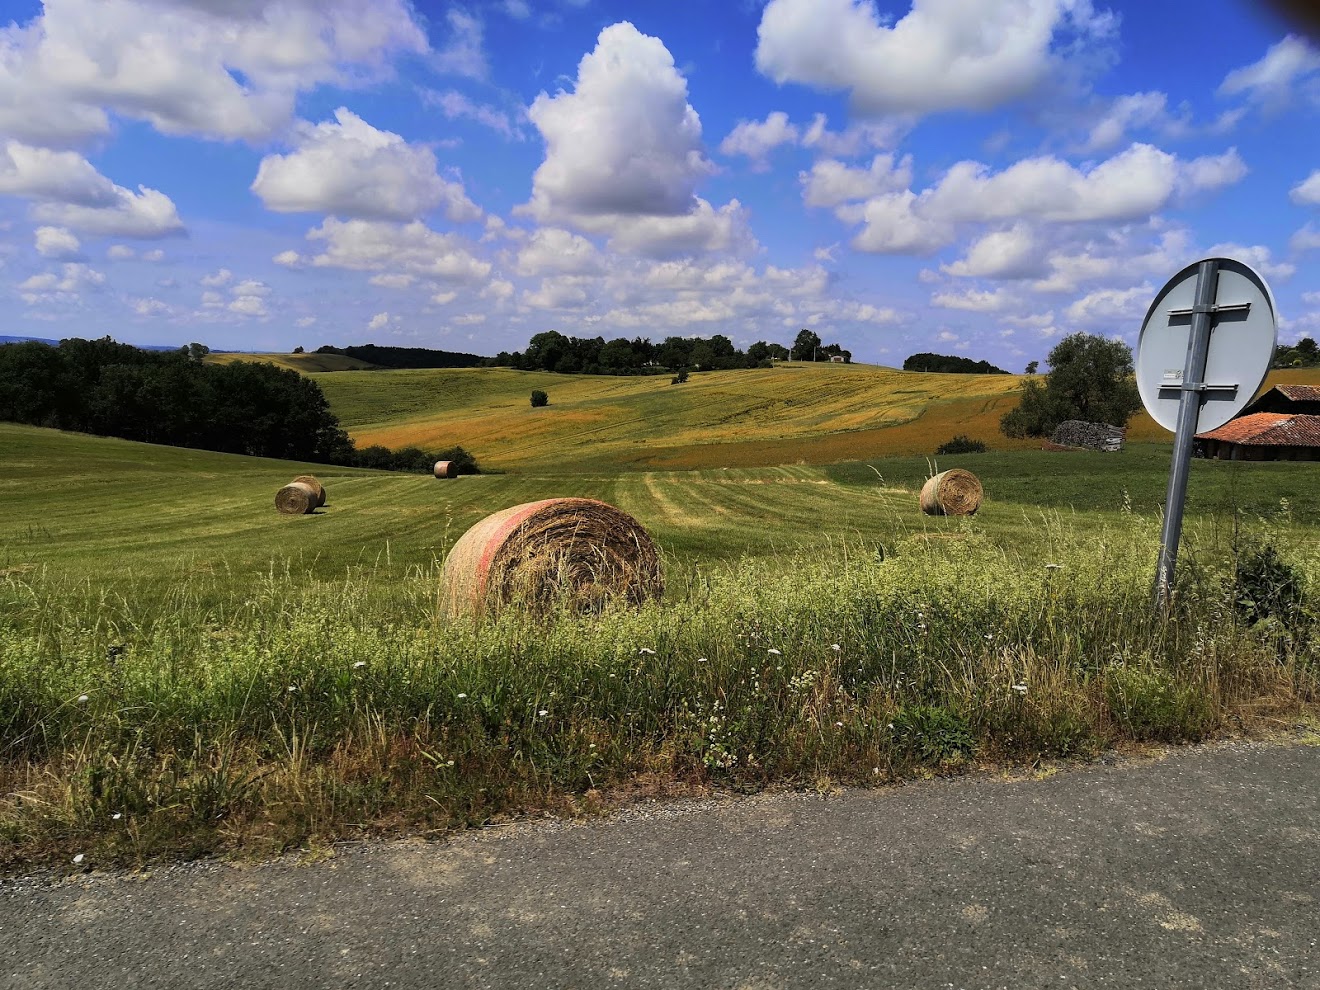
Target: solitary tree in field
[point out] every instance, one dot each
(1032, 367)
(806, 345)
(539, 398)
(1090, 378)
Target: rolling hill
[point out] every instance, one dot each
(791, 414)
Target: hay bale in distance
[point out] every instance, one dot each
(578, 550)
(951, 493)
(314, 485)
(296, 499)
(446, 469)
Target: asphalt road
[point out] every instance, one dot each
(1201, 869)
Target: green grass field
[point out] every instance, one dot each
(105, 510)
(185, 671)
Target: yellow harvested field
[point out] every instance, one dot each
(791, 414)
(812, 413)
(306, 364)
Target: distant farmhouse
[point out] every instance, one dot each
(1281, 425)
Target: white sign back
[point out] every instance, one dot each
(1242, 338)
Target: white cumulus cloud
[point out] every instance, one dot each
(1011, 253)
(942, 55)
(755, 139)
(831, 182)
(1275, 77)
(221, 70)
(1307, 192)
(351, 169)
(625, 141)
(412, 248)
(56, 242)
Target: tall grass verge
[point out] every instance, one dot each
(257, 715)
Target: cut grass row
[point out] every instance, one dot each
(109, 510)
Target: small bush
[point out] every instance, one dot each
(539, 398)
(931, 733)
(1150, 704)
(1266, 587)
(962, 444)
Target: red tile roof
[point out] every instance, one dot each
(1300, 393)
(1270, 429)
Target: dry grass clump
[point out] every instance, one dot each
(576, 551)
(951, 493)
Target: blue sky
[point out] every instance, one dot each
(901, 176)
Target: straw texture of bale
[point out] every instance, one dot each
(576, 550)
(951, 493)
(296, 499)
(446, 469)
(314, 485)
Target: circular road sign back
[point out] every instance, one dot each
(1242, 338)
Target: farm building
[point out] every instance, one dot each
(1303, 399)
(1283, 424)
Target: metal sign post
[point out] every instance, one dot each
(1182, 399)
(1189, 411)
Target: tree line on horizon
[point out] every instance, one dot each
(553, 351)
(106, 388)
(950, 364)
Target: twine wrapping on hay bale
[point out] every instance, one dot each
(951, 493)
(582, 551)
(296, 499)
(314, 485)
(446, 469)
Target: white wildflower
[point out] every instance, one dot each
(449, 763)
(359, 665)
(293, 688)
(83, 699)
(835, 647)
(702, 660)
(774, 653)
(462, 695)
(1053, 567)
(117, 815)
(645, 652)
(838, 725)
(78, 859)
(1020, 688)
(543, 712)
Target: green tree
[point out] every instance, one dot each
(805, 346)
(1090, 378)
(539, 398)
(1032, 367)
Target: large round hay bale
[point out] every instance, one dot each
(314, 485)
(446, 469)
(296, 499)
(951, 493)
(578, 551)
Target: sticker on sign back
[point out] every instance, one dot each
(1173, 374)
